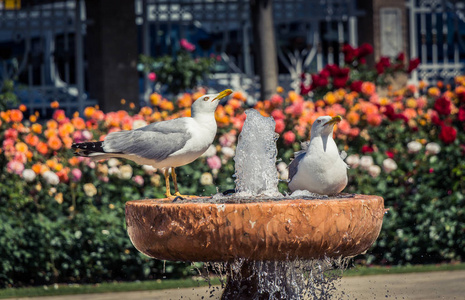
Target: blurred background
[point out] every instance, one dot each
(86, 52)
(75, 70)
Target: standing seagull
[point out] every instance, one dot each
(166, 144)
(319, 168)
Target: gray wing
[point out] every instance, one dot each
(294, 165)
(155, 141)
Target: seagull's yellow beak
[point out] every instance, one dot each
(223, 94)
(334, 120)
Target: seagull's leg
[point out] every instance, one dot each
(167, 183)
(175, 181)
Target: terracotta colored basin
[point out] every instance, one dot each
(275, 230)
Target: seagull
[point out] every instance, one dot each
(319, 168)
(164, 145)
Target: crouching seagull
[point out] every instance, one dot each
(319, 168)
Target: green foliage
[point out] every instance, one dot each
(425, 197)
(82, 239)
(178, 73)
(7, 96)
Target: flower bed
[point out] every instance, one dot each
(61, 217)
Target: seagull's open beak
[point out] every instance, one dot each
(223, 94)
(334, 120)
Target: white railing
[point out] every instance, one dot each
(435, 38)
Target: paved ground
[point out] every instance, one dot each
(434, 285)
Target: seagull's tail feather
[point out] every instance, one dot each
(94, 150)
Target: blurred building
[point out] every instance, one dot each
(78, 52)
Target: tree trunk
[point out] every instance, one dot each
(265, 46)
(112, 54)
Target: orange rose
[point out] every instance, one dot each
(374, 119)
(67, 141)
(73, 161)
(5, 116)
(78, 123)
(155, 99)
(146, 111)
(21, 147)
(368, 88)
(52, 124)
(167, 105)
(185, 100)
(65, 129)
(54, 104)
(54, 143)
(353, 118)
(36, 128)
(31, 139)
(42, 148)
(89, 111)
(36, 168)
(16, 115)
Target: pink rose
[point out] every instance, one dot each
(227, 140)
(139, 180)
(186, 45)
(214, 162)
(276, 100)
(280, 126)
(77, 137)
(278, 114)
(289, 137)
(11, 133)
(76, 175)
(152, 76)
(15, 167)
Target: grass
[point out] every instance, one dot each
(56, 290)
(377, 270)
(109, 287)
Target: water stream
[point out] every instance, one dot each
(256, 181)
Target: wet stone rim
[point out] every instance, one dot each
(268, 230)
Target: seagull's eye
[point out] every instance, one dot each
(206, 99)
(319, 121)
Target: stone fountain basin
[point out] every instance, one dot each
(272, 230)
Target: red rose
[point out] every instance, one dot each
(400, 57)
(356, 86)
(385, 61)
(461, 97)
(390, 154)
(448, 134)
(436, 120)
(349, 53)
(332, 69)
(442, 106)
(367, 149)
(319, 81)
(413, 64)
(364, 50)
(304, 90)
(461, 114)
(389, 112)
(379, 68)
(340, 82)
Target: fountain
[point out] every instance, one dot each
(257, 231)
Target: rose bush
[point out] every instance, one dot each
(62, 217)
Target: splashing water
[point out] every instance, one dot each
(297, 279)
(255, 160)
